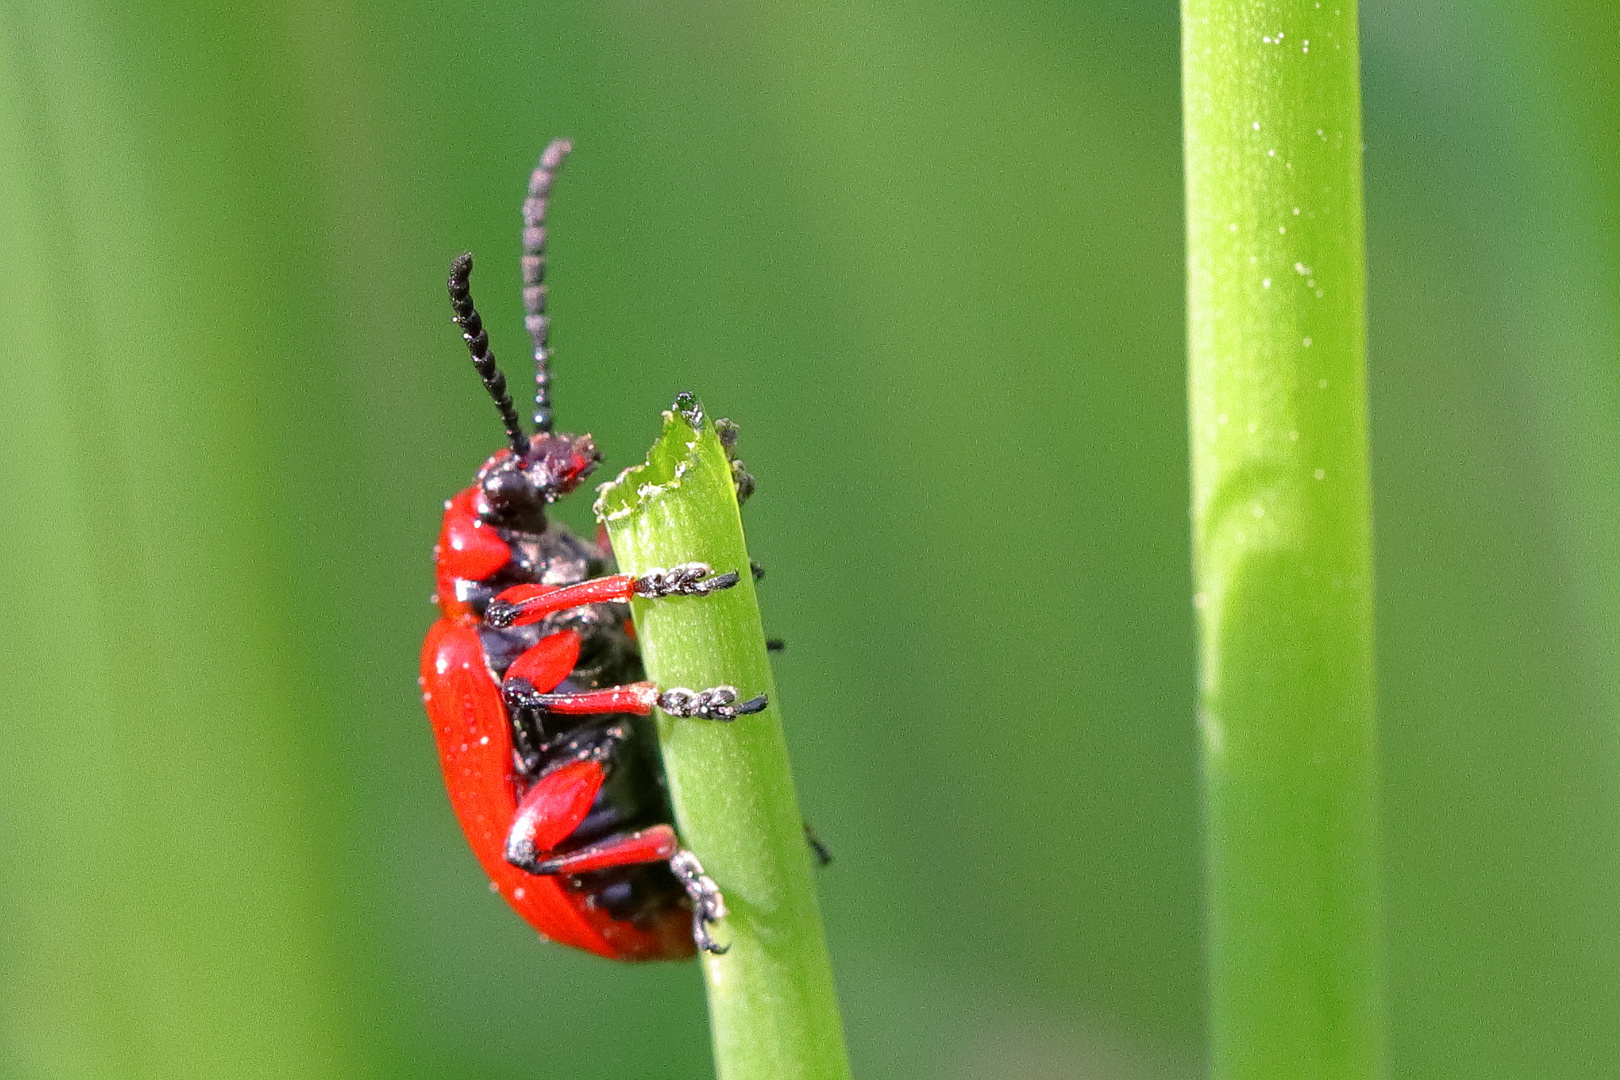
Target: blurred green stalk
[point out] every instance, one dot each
(1282, 535)
(771, 1004)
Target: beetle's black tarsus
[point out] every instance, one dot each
(818, 846)
(716, 703)
(534, 275)
(729, 432)
(472, 331)
(724, 581)
(743, 480)
(687, 579)
(775, 644)
(708, 906)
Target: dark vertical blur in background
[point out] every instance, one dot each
(929, 256)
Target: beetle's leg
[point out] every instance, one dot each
(564, 801)
(524, 604)
(818, 846)
(528, 737)
(655, 844)
(650, 845)
(741, 478)
(540, 667)
(715, 703)
(708, 906)
(553, 808)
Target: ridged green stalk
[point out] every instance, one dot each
(771, 1003)
(1282, 536)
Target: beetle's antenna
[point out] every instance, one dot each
(472, 331)
(534, 275)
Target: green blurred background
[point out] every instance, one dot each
(929, 255)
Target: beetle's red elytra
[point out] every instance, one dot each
(533, 681)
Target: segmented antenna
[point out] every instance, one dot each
(472, 331)
(534, 275)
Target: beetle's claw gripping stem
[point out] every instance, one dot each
(687, 579)
(691, 410)
(716, 703)
(741, 478)
(708, 906)
(818, 846)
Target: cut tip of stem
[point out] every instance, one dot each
(671, 457)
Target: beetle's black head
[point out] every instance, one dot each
(516, 489)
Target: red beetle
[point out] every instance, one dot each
(534, 685)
